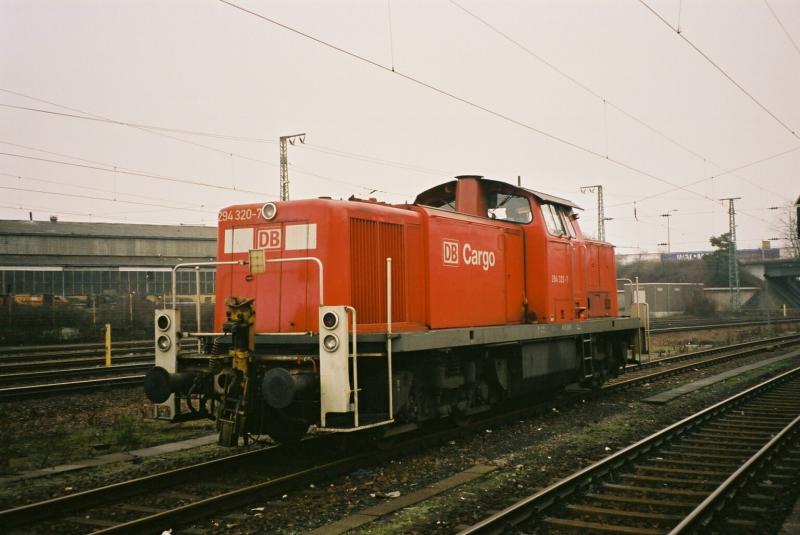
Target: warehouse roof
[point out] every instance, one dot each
(23, 262)
(107, 230)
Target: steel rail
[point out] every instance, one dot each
(29, 391)
(55, 356)
(760, 344)
(739, 350)
(708, 326)
(61, 347)
(239, 497)
(91, 498)
(200, 509)
(524, 509)
(725, 493)
(35, 512)
(17, 378)
(56, 365)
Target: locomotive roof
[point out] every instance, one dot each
(546, 197)
(499, 185)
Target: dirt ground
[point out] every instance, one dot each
(46, 432)
(35, 434)
(528, 455)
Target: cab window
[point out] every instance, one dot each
(553, 221)
(567, 220)
(509, 207)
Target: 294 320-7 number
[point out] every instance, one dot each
(238, 214)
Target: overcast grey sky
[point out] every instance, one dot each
(541, 71)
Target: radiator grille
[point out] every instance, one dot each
(371, 242)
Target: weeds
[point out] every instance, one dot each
(124, 433)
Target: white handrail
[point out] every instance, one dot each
(389, 331)
(355, 363)
(176, 267)
(306, 259)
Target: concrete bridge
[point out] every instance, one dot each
(782, 277)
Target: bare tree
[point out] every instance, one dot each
(787, 230)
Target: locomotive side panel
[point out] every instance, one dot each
(514, 250)
(608, 278)
(466, 272)
(579, 269)
(375, 234)
(287, 294)
(601, 272)
(559, 267)
(552, 266)
(536, 266)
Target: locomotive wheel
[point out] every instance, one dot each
(460, 419)
(286, 429)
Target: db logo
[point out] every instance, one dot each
(268, 238)
(450, 252)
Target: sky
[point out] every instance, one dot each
(166, 112)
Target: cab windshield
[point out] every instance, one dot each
(509, 207)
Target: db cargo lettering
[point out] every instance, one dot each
(450, 252)
(451, 255)
(477, 257)
(269, 238)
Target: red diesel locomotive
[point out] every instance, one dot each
(347, 315)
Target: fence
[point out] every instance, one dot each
(41, 318)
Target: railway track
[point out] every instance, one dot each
(680, 325)
(705, 357)
(72, 363)
(10, 354)
(72, 368)
(725, 464)
(184, 495)
(30, 363)
(715, 355)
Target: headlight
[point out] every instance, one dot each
(269, 211)
(163, 322)
(330, 342)
(164, 343)
(330, 320)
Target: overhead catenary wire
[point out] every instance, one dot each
(24, 207)
(391, 36)
(604, 101)
(141, 128)
(91, 188)
(60, 154)
(109, 167)
(712, 177)
(463, 100)
(147, 129)
(94, 198)
(722, 71)
(785, 31)
(317, 148)
(140, 174)
(372, 159)
(226, 137)
(136, 125)
(512, 113)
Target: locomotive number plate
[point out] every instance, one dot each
(239, 214)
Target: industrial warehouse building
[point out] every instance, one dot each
(83, 259)
(63, 280)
